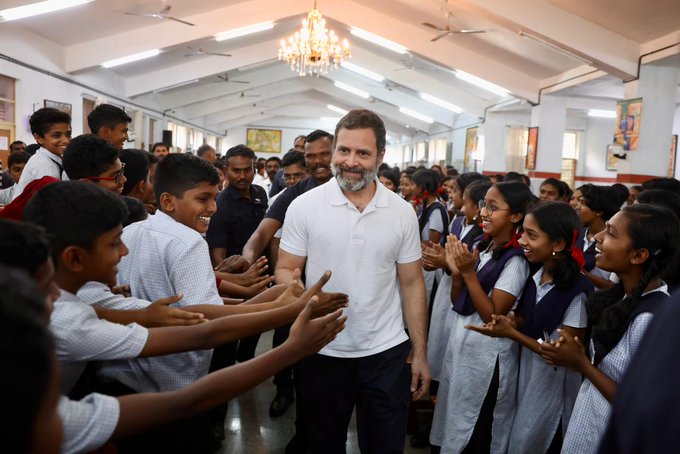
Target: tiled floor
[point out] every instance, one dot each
(250, 430)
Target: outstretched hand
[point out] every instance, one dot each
(122, 290)
(233, 264)
(499, 326)
(308, 336)
(567, 351)
(159, 313)
(255, 274)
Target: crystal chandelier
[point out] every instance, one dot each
(314, 50)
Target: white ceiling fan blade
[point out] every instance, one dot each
(429, 25)
(462, 32)
(442, 35)
(176, 20)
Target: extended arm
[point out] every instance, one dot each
(259, 240)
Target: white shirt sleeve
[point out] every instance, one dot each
(576, 315)
(88, 423)
(99, 295)
(410, 247)
(295, 234)
(435, 222)
(191, 274)
(513, 277)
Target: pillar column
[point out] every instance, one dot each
(551, 117)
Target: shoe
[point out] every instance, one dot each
(280, 404)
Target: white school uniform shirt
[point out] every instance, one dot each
(468, 367)
(100, 295)
(88, 423)
(434, 222)
(7, 194)
(544, 393)
(362, 249)
(42, 164)
(591, 413)
(166, 258)
(266, 184)
(81, 336)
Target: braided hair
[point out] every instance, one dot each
(650, 227)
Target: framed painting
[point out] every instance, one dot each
(64, 107)
(264, 140)
(628, 119)
(470, 147)
(532, 148)
(611, 161)
(673, 156)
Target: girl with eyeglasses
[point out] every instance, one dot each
(476, 399)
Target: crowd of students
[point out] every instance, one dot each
(119, 273)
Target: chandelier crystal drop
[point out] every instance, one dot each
(314, 50)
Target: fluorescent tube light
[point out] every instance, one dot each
(481, 83)
(35, 9)
(181, 84)
(336, 109)
(379, 40)
(598, 113)
(243, 31)
(414, 114)
(555, 47)
(131, 58)
(441, 103)
(364, 72)
(352, 90)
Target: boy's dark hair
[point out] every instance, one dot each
(75, 213)
(88, 156)
(43, 119)
(136, 167)
(650, 227)
(621, 191)
(467, 178)
(18, 157)
(178, 173)
(293, 157)
(600, 199)
(106, 115)
(526, 179)
(513, 176)
(363, 119)
(32, 148)
(557, 184)
(559, 221)
(136, 210)
(26, 348)
(318, 134)
(239, 150)
(428, 180)
(274, 158)
(219, 164)
(392, 176)
(159, 144)
(668, 184)
(519, 198)
(204, 149)
(23, 245)
(662, 198)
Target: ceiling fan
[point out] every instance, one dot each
(244, 95)
(200, 51)
(446, 31)
(226, 78)
(163, 14)
(408, 63)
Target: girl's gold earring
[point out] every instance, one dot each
(554, 253)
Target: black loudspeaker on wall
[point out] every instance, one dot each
(167, 137)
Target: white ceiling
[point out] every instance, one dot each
(609, 34)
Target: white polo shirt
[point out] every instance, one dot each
(362, 249)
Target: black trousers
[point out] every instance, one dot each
(379, 386)
(285, 376)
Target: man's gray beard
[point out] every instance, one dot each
(369, 175)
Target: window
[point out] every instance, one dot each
(421, 149)
(518, 138)
(570, 145)
(7, 116)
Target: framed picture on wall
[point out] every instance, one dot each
(611, 161)
(264, 140)
(470, 147)
(64, 107)
(532, 148)
(673, 156)
(628, 120)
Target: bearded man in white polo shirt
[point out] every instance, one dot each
(368, 237)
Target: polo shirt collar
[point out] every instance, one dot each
(49, 154)
(235, 195)
(380, 198)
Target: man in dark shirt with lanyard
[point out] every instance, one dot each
(318, 156)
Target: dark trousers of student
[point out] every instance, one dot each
(285, 376)
(379, 387)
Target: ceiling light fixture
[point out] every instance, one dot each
(441, 103)
(131, 58)
(243, 31)
(414, 114)
(379, 40)
(171, 87)
(598, 113)
(364, 72)
(352, 90)
(314, 50)
(481, 83)
(336, 109)
(555, 47)
(35, 9)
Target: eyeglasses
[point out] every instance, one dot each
(115, 177)
(293, 176)
(490, 208)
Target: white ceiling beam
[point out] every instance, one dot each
(250, 106)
